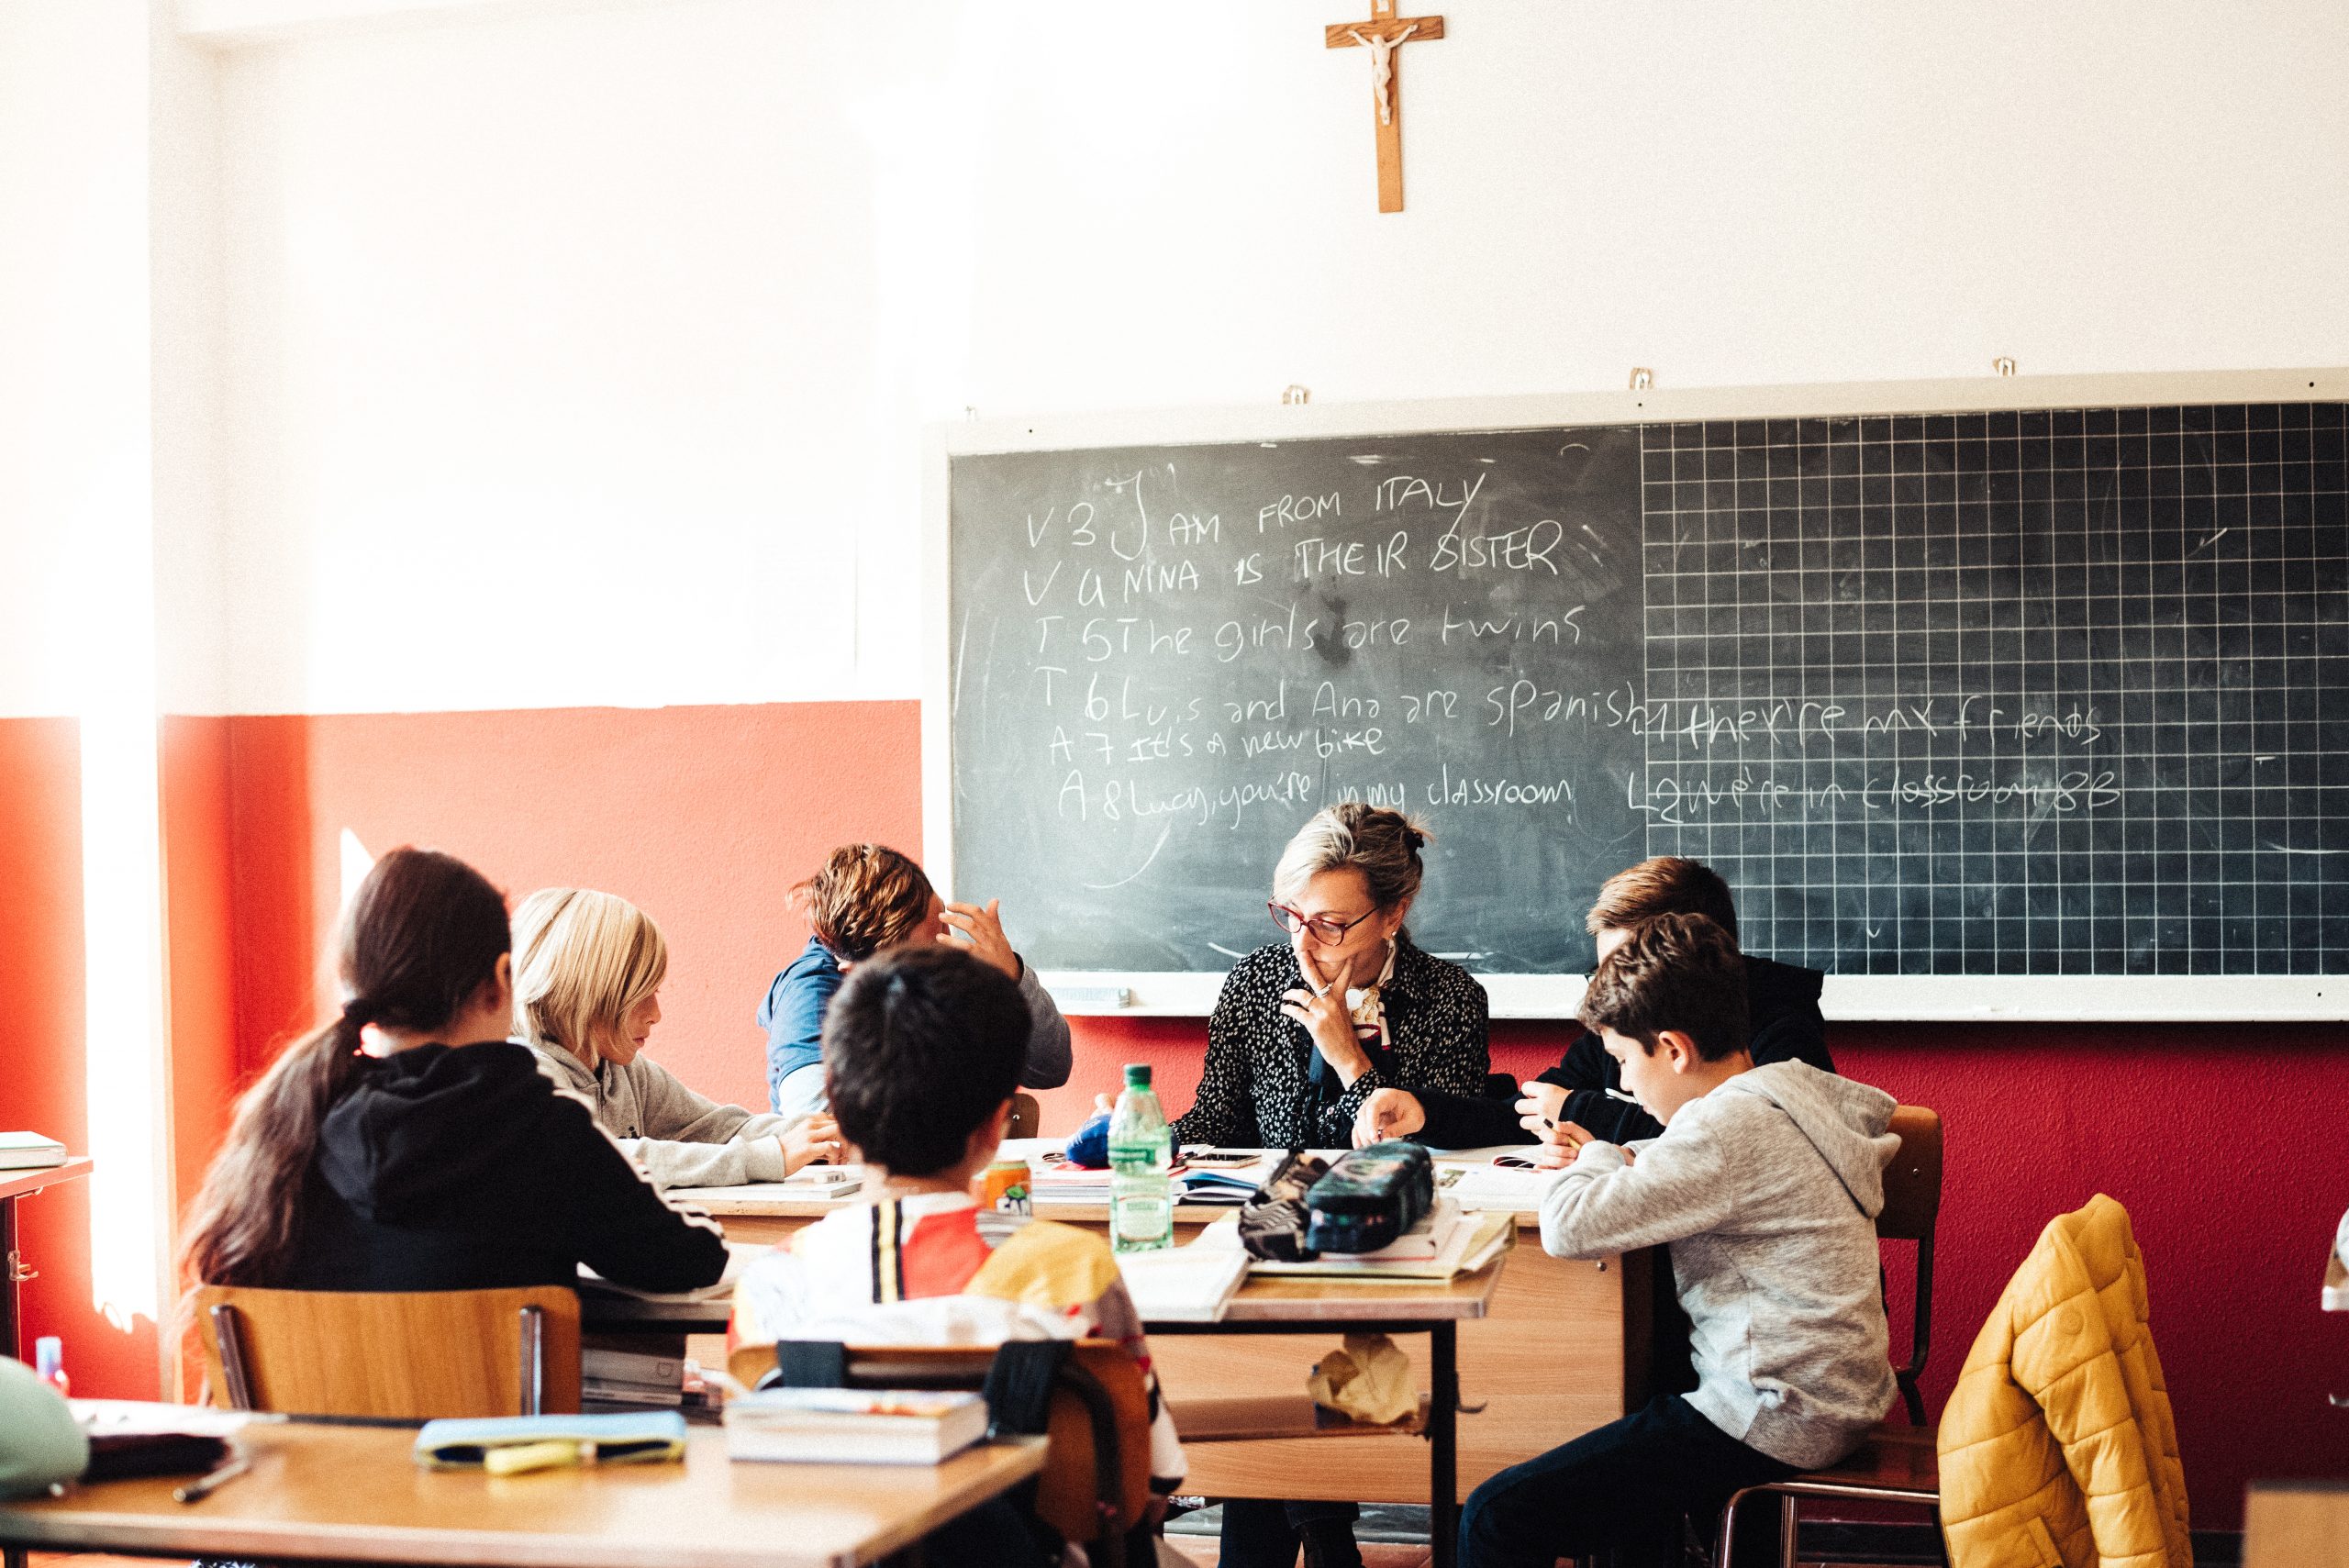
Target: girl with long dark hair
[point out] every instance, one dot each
(406, 1144)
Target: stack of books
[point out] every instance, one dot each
(1059, 1183)
(853, 1426)
(631, 1380)
(29, 1151)
(1191, 1283)
(1444, 1243)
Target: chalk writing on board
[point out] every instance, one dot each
(2000, 693)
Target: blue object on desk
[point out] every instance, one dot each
(1090, 1146)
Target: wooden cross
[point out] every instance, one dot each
(1383, 34)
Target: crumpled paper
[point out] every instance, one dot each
(1369, 1379)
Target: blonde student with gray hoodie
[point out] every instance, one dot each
(587, 973)
(1765, 1184)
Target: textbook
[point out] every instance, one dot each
(853, 1426)
(635, 1379)
(649, 1436)
(1191, 1283)
(1476, 1241)
(29, 1151)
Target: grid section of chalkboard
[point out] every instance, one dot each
(2046, 692)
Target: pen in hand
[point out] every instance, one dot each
(211, 1480)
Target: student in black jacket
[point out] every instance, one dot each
(409, 1145)
(1581, 1098)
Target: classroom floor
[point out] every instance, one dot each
(1196, 1548)
(1200, 1550)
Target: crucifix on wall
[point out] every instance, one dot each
(1383, 34)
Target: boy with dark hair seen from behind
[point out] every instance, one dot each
(922, 1049)
(1765, 1183)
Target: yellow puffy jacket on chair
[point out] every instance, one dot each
(2057, 1445)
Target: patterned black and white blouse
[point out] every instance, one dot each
(1256, 1088)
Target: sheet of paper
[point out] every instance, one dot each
(139, 1417)
(1498, 1186)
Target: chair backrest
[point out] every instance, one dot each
(413, 1355)
(1912, 1182)
(1067, 1491)
(1026, 1116)
(1913, 1207)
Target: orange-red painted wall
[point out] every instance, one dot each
(2224, 1141)
(42, 1064)
(704, 815)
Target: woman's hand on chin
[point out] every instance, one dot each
(1320, 1006)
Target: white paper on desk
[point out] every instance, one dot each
(138, 1418)
(1183, 1284)
(1498, 1186)
(737, 1256)
(809, 1183)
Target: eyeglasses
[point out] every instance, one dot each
(1321, 927)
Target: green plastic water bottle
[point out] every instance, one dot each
(1141, 1192)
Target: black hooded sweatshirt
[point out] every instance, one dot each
(465, 1169)
(1782, 998)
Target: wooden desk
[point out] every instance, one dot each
(1436, 1309)
(1563, 1347)
(2296, 1524)
(15, 1185)
(353, 1493)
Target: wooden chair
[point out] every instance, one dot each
(413, 1355)
(1025, 1115)
(1069, 1493)
(1894, 1464)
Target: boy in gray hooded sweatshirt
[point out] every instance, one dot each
(1765, 1183)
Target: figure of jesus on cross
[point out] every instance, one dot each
(1382, 35)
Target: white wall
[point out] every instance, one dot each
(73, 329)
(578, 355)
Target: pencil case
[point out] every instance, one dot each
(1369, 1198)
(120, 1456)
(627, 1437)
(1272, 1223)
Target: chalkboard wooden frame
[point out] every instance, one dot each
(2041, 997)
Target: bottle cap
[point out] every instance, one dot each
(49, 1355)
(1136, 1074)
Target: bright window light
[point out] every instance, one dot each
(126, 1067)
(356, 863)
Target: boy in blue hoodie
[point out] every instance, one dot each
(1765, 1183)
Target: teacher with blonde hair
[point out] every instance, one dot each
(1307, 1029)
